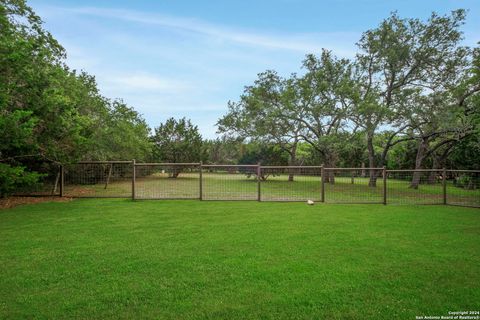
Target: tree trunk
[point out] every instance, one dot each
(439, 161)
(327, 176)
(293, 159)
(432, 176)
(330, 163)
(175, 172)
(109, 176)
(371, 161)
(470, 185)
(422, 148)
(56, 183)
(331, 176)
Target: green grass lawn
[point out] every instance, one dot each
(114, 258)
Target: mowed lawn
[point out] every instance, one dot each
(116, 259)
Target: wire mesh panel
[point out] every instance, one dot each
(463, 188)
(279, 183)
(415, 186)
(99, 179)
(230, 182)
(167, 181)
(353, 185)
(49, 182)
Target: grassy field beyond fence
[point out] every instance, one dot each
(237, 186)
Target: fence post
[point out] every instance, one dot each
(322, 173)
(62, 180)
(201, 181)
(384, 169)
(444, 185)
(259, 195)
(133, 179)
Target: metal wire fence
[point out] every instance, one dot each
(110, 179)
(463, 188)
(49, 183)
(353, 185)
(125, 179)
(167, 181)
(415, 186)
(293, 183)
(230, 182)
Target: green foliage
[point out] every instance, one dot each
(49, 113)
(267, 155)
(263, 115)
(14, 178)
(311, 108)
(465, 154)
(401, 63)
(407, 100)
(177, 141)
(125, 134)
(466, 181)
(223, 150)
(15, 129)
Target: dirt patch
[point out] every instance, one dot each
(11, 202)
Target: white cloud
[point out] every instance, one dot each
(305, 42)
(168, 66)
(146, 82)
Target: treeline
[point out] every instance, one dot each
(409, 99)
(49, 113)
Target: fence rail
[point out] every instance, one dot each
(128, 179)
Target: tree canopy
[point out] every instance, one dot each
(49, 113)
(411, 85)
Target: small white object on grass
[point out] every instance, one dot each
(310, 202)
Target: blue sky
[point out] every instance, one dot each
(188, 58)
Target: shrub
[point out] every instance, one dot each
(466, 182)
(16, 178)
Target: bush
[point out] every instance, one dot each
(15, 178)
(466, 182)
